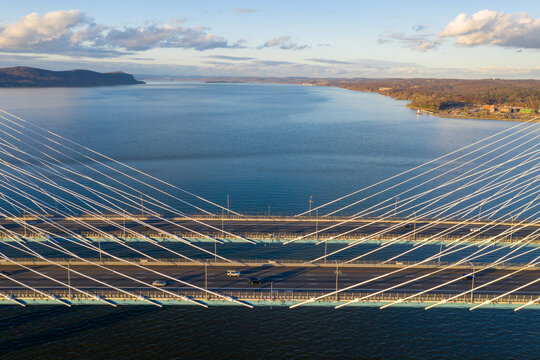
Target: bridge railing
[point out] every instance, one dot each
(274, 217)
(277, 236)
(239, 263)
(276, 295)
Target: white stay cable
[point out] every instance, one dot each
(116, 190)
(418, 167)
(410, 199)
(409, 189)
(109, 159)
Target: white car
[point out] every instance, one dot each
(159, 283)
(233, 273)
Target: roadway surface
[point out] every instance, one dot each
(271, 227)
(277, 277)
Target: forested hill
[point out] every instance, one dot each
(21, 76)
(439, 94)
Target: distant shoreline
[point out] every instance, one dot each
(27, 77)
(447, 98)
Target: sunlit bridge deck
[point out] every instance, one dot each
(262, 228)
(284, 282)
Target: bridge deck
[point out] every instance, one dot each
(278, 228)
(281, 283)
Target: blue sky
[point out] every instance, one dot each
(464, 39)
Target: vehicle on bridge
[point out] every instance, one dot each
(255, 281)
(4, 273)
(159, 283)
(233, 273)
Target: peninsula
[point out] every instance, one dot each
(496, 99)
(21, 76)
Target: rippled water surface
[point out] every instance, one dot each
(269, 147)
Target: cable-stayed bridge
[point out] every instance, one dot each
(78, 227)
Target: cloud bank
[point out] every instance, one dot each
(70, 32)
(418, 42)
(485, 27)
(488, 27)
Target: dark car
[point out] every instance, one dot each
(255, 281)
(467, 276)
(4, 273)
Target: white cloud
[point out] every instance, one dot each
(330, 61)
(488, 27)
(418, 42)
(233, 58)
(70, 32)
(284, 43)
(244, 10)
(34, 29)
(165, 36)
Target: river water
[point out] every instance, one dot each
(269, 148)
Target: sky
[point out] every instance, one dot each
(441, 39)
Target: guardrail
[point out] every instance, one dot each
(263, 262)
(283, 236)
(278, 295)
(277, 217)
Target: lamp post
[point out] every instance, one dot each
(337, 280)
(69, 279)
(206, 277)
(317, 224)
(99, 247)
(440, 252)
(414, 226)
(472, 285)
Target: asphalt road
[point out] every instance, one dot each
(272, 228)
(287, 278)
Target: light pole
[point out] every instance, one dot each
(310, 202)
(472, 285)
(414, 226)
(440, 252)
(99, 246)
(317, 224)
(69, 279)
(337, 280)
(206, 277)
(480, 212)
(222, 223)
